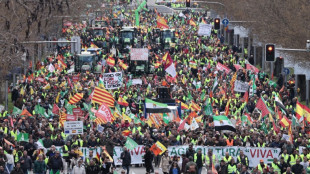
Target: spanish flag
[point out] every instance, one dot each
(285, 122)
(123, 65)
(192, 22)
(92, 45)
(126, 132)
(302, 111)
(157, 65)
(122, 101)
(76, 98)
(161, 22)
(111, 61)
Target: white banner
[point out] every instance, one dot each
(84, 150)
(204, 29)
(136, 82)
(241, 86)
(139, 54)
(73, 127)
(254, 154)
(113, 80)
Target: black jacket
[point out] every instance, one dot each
(297, 168)
(126, 157)
(17, 171)
(27, 162)
(55, 163)
(92, 169)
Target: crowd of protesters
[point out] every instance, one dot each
(192, 84)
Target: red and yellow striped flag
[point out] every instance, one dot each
(111, 61)
(103, 96)
(62, 117)
(76, 98)
(99, 121)
(195, 106)
(183, 105)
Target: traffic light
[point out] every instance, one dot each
(217, 23)
(188, 3)
(270, 53)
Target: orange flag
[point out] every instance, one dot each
(25, 113)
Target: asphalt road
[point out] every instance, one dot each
(141, 170)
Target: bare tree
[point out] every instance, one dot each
(282, 22)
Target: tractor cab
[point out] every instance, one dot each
(88, 61)
(167, 37)
(100, 23)
(128, 37)
(116, 22)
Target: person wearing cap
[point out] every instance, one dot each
(261, 166)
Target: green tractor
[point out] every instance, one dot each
(167, 38)
(100, 38)
(127, 38)
(116, 22)
(87, 61)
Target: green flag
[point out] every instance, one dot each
(272, 83)
(203, 94)
(16, 111)
(189, 96)
(208, 108)
(52, 172)
(166, 119)
(39, 110)
(23, 137)
(70, 108)
(130, 144)
(50, 113)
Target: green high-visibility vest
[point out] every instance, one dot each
(66, 149)
(232, 169)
